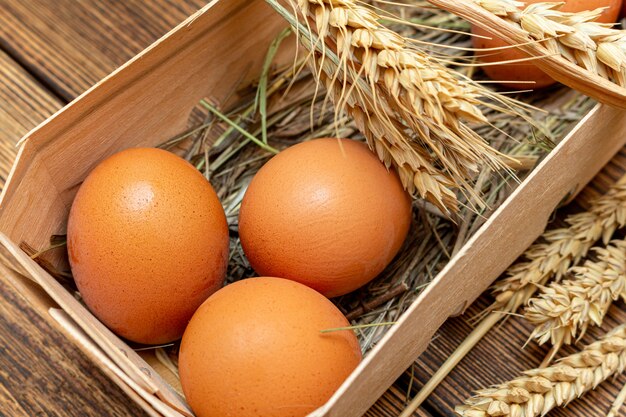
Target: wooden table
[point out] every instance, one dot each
(50, 52)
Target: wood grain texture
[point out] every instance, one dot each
(69, 45)
(171, 75)
(23, 105)
(141, 104)
(393, 402)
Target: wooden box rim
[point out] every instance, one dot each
(40, 186)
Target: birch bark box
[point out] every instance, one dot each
(149, 99)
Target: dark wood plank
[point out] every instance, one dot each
(41, 372)
(393, 402)
(23, 104)
(501, 354)
(70, 45)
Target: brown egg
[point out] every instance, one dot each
(254, 349)
(517, 75)
(325, 213)
(147, 242)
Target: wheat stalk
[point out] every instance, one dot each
(541, 390)
(577, 37)
(561, 248)
(563, 311)
(571, 47)
(415, 112)
(617, 403)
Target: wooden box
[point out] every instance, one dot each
(149, 100)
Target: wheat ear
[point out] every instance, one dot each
(563, 311)
(561, 248)
(572, 47)
(541, 390)
(596, 47)
(415, 112)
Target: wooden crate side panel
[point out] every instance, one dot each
(142, 104)
(36, 191)
(509, 231)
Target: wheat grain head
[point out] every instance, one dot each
(415, 113)
(563, 311)
(540, 390)
(571, 47)
(596, 47)
(558, 249)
